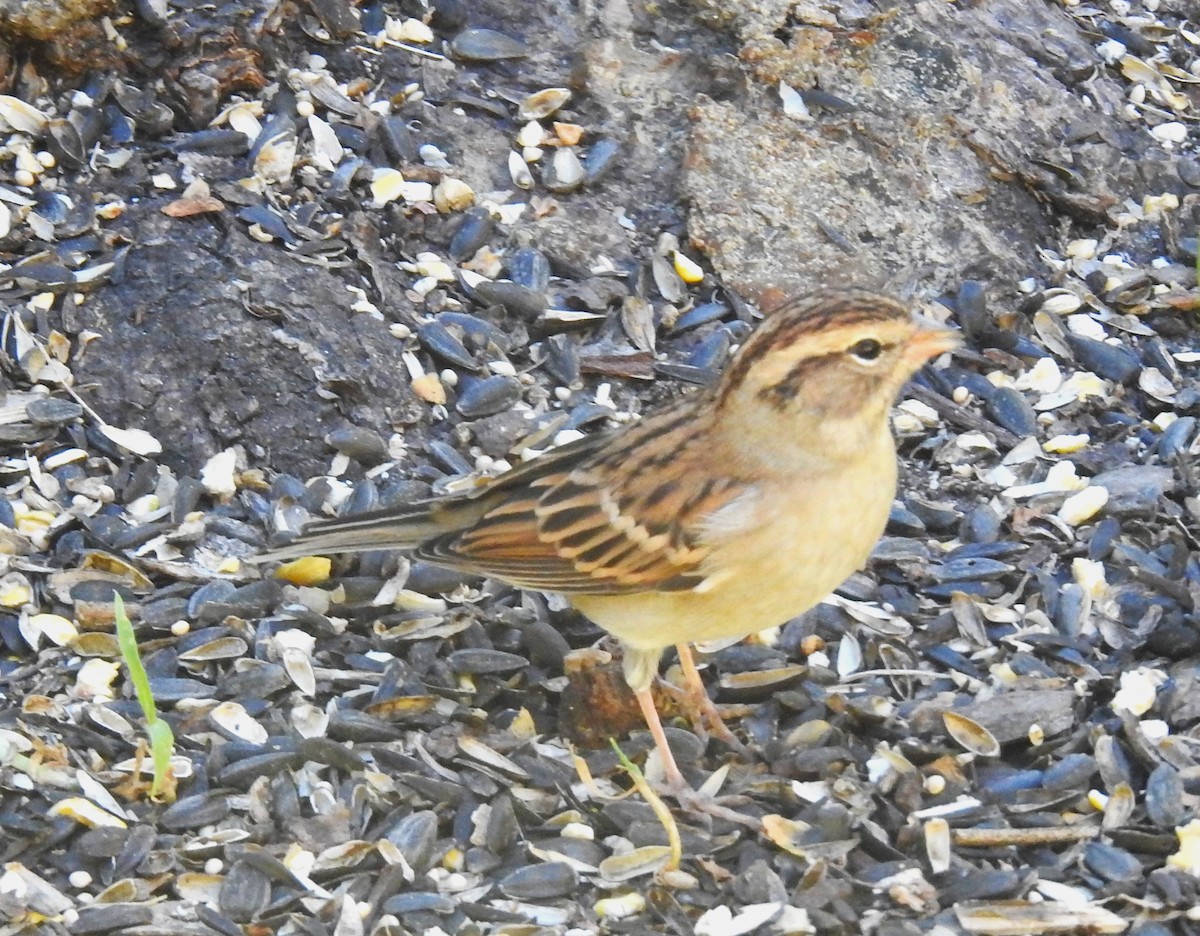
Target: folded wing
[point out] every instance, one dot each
(613, 522)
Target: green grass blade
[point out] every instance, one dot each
(162, 746)
(133, 660)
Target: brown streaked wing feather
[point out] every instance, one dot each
(612, 523)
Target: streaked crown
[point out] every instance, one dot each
(832, 354)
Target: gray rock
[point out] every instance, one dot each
(189, 366)
(859, 196)
(497, 434)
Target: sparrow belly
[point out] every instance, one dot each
(786, 558)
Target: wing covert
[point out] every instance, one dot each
(574, 531)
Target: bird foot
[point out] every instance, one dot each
(706, 718)
(673, 783)
(702, 802)
(698, 803)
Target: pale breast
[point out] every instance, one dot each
(776, 555)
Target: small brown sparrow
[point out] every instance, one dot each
(731, 510)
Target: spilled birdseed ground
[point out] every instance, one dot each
(991, 730)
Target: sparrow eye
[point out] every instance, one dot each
(866, 350)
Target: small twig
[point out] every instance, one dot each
(962, 416)
(416, 50)
(1050, 835)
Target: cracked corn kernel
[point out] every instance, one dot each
(14, 594)
(307, 570)
(688, 269)
(428, 387)
(617, 908)
(1065, 444)
(1081, 507)
(33, 522)
(1188, 856)
(453, 195)
(387, 185)
(1089, 573)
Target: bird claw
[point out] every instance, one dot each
(696, 803)
(706, 718)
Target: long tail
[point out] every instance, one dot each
(389, 528)
(409, 526)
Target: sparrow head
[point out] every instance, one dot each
(834, 361)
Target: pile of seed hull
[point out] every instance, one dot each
(990, 729)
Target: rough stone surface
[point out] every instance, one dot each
(941, 167)
(956, 159)
(186, 354)
(45, 19)
(1009, 715)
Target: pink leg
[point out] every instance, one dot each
(705, 710)
(675, 784)
(675, 780)
(688, 799)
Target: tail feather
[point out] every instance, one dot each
(410, 526)
(390, 528)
